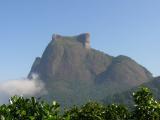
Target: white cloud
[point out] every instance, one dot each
(25, 87)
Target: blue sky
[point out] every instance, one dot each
(128, 27)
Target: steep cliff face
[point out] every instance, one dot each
(73, 72)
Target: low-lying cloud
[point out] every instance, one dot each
(23, 87)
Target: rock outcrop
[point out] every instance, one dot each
(83, 38)
(74, 73)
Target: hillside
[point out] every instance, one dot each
(126, 96)
(74, 73)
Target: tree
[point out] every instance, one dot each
(146, 107)
(117, 112)
(89, 111)
(21, 108)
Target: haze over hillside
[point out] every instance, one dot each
(74, 73)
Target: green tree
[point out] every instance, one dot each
(89, 111)
(21, 108)
(117, 112)
(146, 107)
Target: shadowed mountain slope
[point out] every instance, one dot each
(74, 73)
(126, 96)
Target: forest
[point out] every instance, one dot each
(20, 108)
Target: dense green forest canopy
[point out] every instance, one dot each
(20, 108)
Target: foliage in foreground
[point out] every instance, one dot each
(20, 108)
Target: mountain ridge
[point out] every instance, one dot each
(126, 97)
(73, 72)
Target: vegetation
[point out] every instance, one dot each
(126, 97)
(20, 108)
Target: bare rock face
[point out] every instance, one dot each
(74, 73)
(56, 36)
(85, 39)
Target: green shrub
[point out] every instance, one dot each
(20, 108)
(29, 109)
(146, 107)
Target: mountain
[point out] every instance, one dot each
(126, 96)
(74, 73)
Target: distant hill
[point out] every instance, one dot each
(126, 96)
(74, 73)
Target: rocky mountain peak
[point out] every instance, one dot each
(84, 38)
(73, 74)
